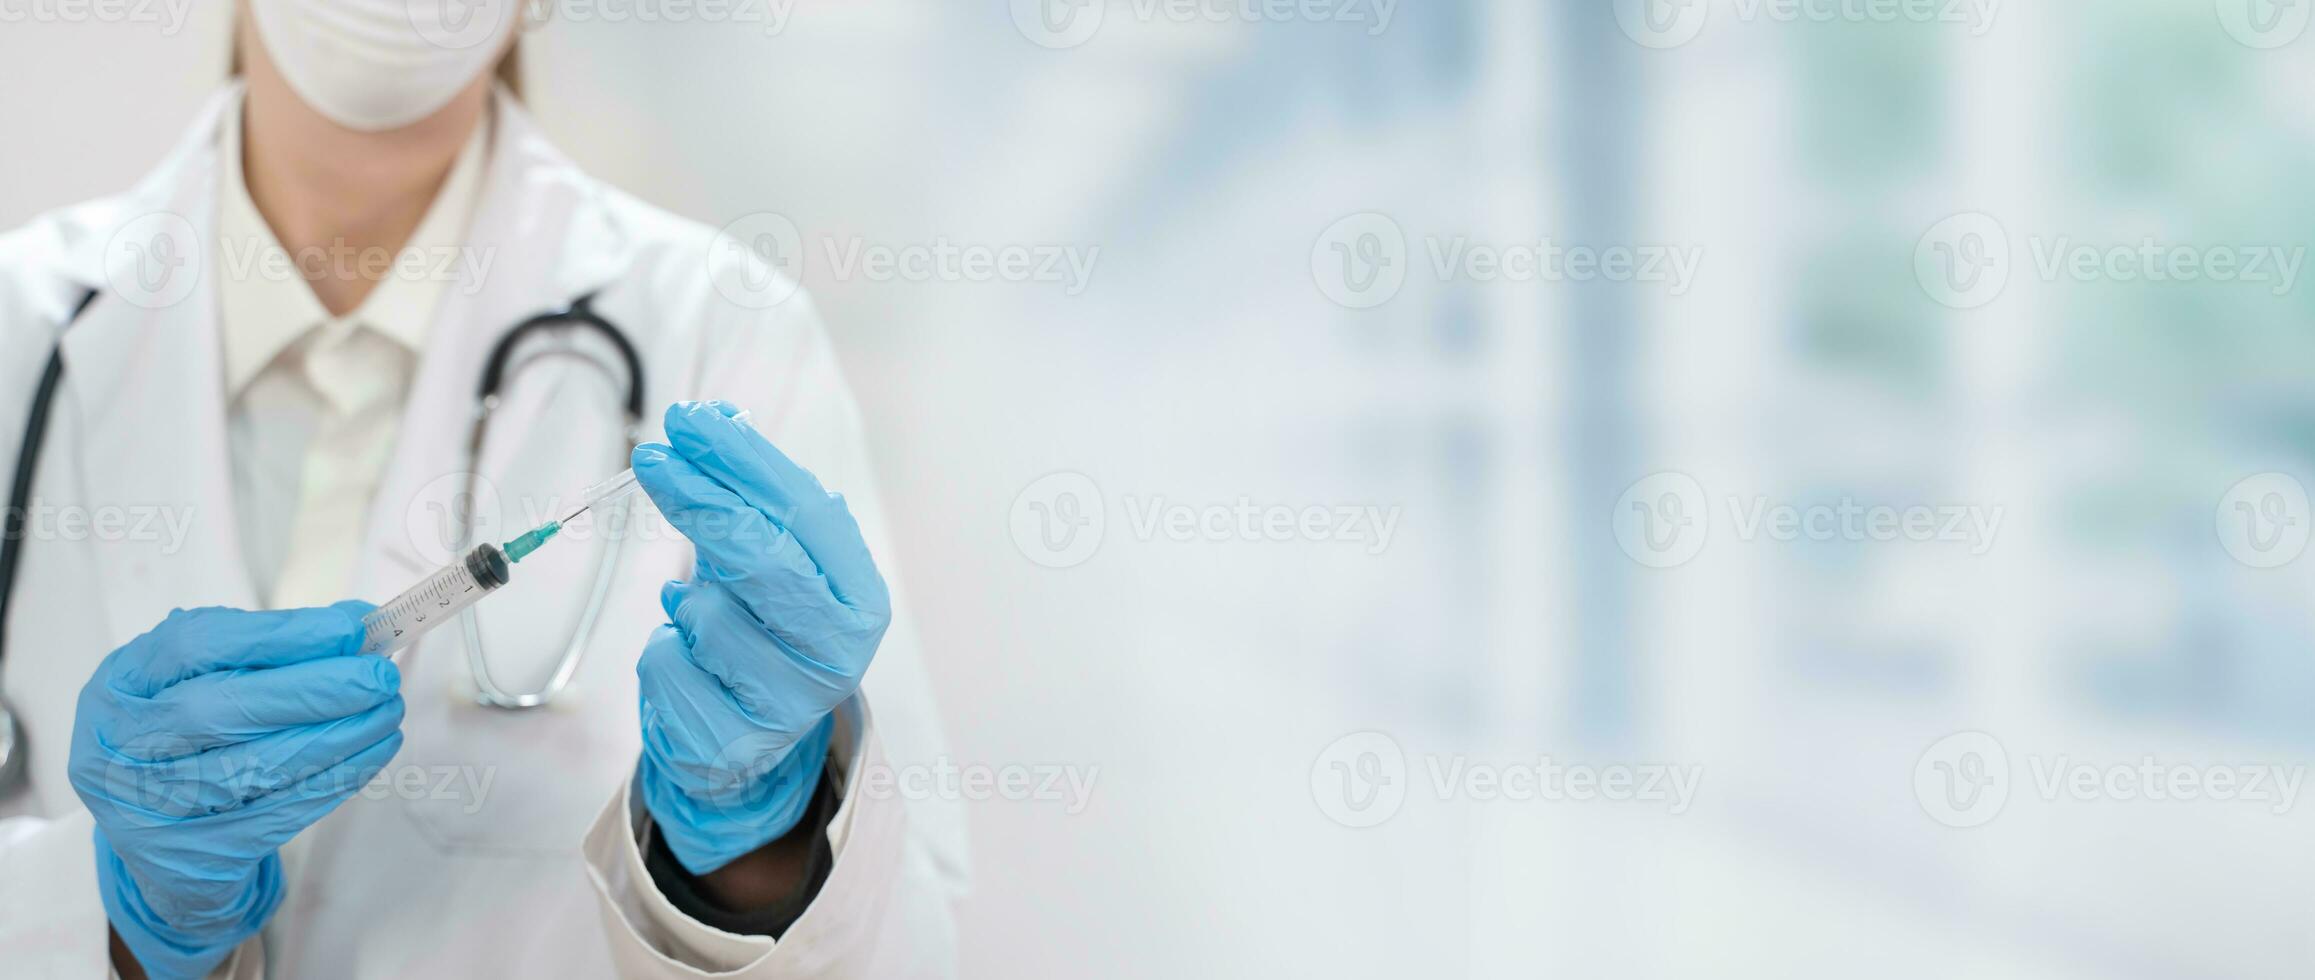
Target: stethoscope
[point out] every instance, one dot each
(501, 365)
(580, 313)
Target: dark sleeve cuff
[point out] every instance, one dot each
(690, 896)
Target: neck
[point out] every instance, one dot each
(321, 186)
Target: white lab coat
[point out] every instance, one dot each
(501, 844)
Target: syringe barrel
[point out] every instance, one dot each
(609, 490)
(435, 601)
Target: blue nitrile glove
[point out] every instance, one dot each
(782, 614)
(203, 746)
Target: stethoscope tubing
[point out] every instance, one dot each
(496, 369)
(12, 529)
(580, 313)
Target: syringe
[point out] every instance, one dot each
(595, 496)
(397, 624)
(463, 583)
(608, 491)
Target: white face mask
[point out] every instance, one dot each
(382, 64)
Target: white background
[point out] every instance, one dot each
(1204, 365)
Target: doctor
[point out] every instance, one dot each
(261, 397)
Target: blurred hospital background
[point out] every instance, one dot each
(1864, 439)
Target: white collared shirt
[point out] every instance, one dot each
(314, 401)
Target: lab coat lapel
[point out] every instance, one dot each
(548, 239)
(143, 381)
(145, 385)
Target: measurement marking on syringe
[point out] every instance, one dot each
(442, 597)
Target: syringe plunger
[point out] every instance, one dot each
(399, 623)
(602, 493)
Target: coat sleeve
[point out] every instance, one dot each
(883, 911)
(899, 864)
(52, 924)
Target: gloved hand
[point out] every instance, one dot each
(783, 611)
(204, 745)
